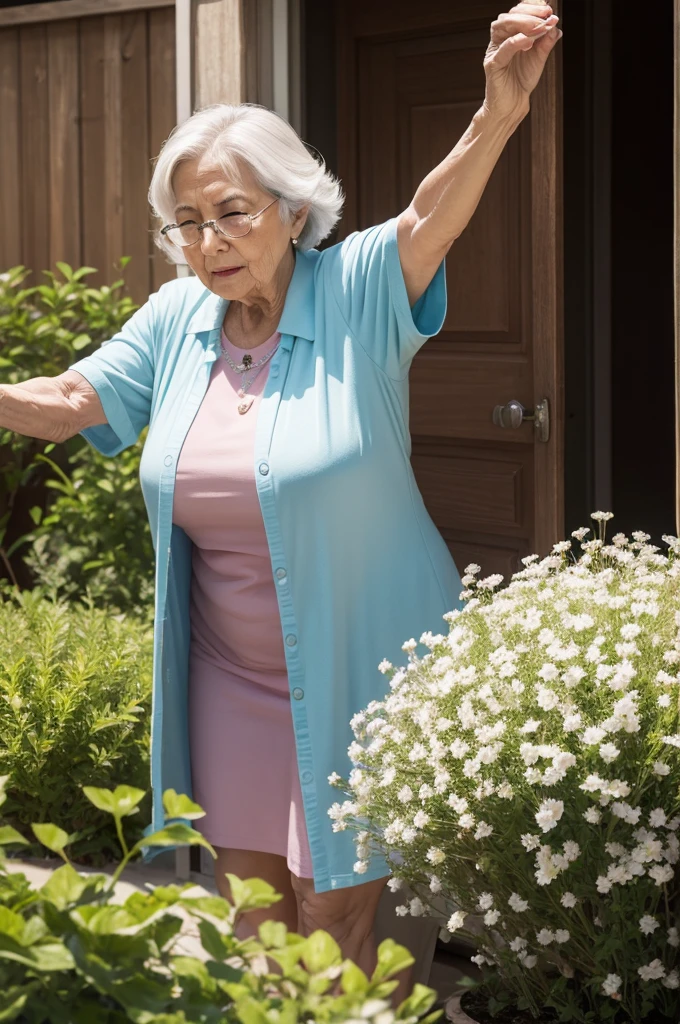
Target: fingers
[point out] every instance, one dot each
(517, 43)
(514, 23)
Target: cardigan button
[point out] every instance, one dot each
(306, 777)
(168, 460)
(264, 468)
(291, 640)
(298, 693)
(281, 574)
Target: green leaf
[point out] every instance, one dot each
(10, 835)
(251, 893)
(180, 806)
(65, 270)
(320, 952)
(106, 920)
(81, 341)
(51, 836)
(64, 887)
(36, 514)
(121, 802)
(420, 1001)
(272, 933)
(392, 958)
(354, 981)
(105, 485)
(174, 835)
(83, 272)
(250, 1011)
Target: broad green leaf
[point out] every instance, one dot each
(65, 270)
(272, 933)
(250, 1011)
(180, 806)
(36, 514)
(49, 957)
(82, 341)
(121, 802)
(174, 835)
(354, 981)
(420, 1000)
(214, 905)
(11, 924)
(321, 951)
(64, 887)
(392, 958)
(106, 920)
(105, 485)
(251, 893)
(9, 835)
(51, 836)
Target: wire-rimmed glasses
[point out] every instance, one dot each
(231, 225)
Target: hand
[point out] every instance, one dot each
(521, 43)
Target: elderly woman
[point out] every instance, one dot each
(293, 549)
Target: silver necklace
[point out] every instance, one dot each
(247, 400)
(246, 363)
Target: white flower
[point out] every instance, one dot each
(485, 901)
(603, 884)
(661, 873)
(568, 900)
(545, 937)
(657, 817)
(529, 961)
(401, 910)
(435, 855)
(664, 701)
(517, 903)
(530, 842)
(548, 814)
(602, 517)
(455, 921)
(409, 646)
(458, 803)
(405, 794)
(648, 924)
(562, 935)
(611, 984)
(673, 937)
(593, 735)
(653, 971)
(546, 698)
(672, 979)
(466, 820)
(394, 883)
(609, 752)
(661, 769)
(361, 867)
(592, 816)
(416, 907)
(623, 810)
(491, 917)
(483, 830)
(531, 725)
(385, 666)
(421, 819)
(673, 741)
(459, 748)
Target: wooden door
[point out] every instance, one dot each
(410, 78)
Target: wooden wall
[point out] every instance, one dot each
(85, 105)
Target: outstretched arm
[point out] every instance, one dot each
(521, 42)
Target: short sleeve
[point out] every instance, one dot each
(364, 275)
(122, 373)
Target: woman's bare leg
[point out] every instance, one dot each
(270, 867)
(348, 915)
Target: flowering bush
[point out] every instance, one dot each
(525, 775)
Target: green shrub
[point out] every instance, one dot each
(95, 539)
(72, 956)
(42, 331)
(75, 698)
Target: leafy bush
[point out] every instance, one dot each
(95, 539)
(75, 698)
(527, 769)
(42, 330)
(73, 956)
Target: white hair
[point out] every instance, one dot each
(250, 135)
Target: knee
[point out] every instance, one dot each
(345, 914)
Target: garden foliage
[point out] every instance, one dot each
(71, 954)
(75, 700)
(525, 774)
(94, 536)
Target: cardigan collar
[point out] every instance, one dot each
(297, 318)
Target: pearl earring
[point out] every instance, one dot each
(294, 241)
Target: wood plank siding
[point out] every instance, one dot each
(85, 105)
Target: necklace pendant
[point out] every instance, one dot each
(247, 361)
(245, 404)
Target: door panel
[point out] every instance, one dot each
(409, 81)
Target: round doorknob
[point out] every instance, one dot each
(513, 415)
(510, 415)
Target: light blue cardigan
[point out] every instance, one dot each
(358, 563)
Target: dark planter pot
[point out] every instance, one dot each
(456, 1013)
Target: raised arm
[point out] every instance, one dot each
(521, 42)
(50, 408)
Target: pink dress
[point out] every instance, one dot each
(243, 760)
